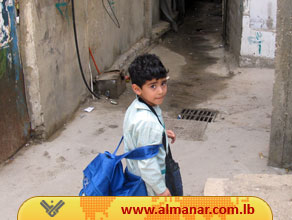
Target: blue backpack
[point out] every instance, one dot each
(104, 176)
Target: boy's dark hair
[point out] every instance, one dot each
(146, 67)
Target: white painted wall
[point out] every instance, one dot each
(263, 14)
(259, 28)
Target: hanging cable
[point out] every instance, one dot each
(78, 55)
(115, 19)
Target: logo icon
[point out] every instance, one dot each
(51, 209)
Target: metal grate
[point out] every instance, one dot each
(198, 115)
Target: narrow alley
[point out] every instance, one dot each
(203, 75)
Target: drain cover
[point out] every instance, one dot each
(198, 114)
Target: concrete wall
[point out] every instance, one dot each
(233, 25)
(54, 86)
(281, 133)
(53, 83)
(106, 40)
(258, 33)
(155, 12)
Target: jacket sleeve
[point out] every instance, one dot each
(151, 174)
(150, 133)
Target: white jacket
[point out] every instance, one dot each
(141, 128)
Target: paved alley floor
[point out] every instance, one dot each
(201, 76)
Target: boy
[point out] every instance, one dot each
(141, 126)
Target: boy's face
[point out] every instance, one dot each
(153, 91)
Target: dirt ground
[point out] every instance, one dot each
(202, 75)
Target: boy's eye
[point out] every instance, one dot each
(153, 86)
(164, 83)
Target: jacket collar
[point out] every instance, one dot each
(141, 105)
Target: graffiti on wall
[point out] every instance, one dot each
(257, 40)
(5, 37)
(15, 129)
(9, 57)
(62, 7)
(112, 3)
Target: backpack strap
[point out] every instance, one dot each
(154, 112)
(118, 146)
(145, 152)
(140, 153)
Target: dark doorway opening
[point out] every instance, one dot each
(199, 41)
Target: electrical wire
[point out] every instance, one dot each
(92, 57)
(78, 55)
(115, 19)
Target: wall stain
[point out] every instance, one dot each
(3, 62)
(113, 126)
(100, 131)
(270, 23)
(46, 36)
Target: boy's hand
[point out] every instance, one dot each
(165, 193)
(171, 134)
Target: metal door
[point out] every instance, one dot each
(14, 121)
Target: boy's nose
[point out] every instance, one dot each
(160, 89)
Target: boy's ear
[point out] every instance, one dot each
(136, 89)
